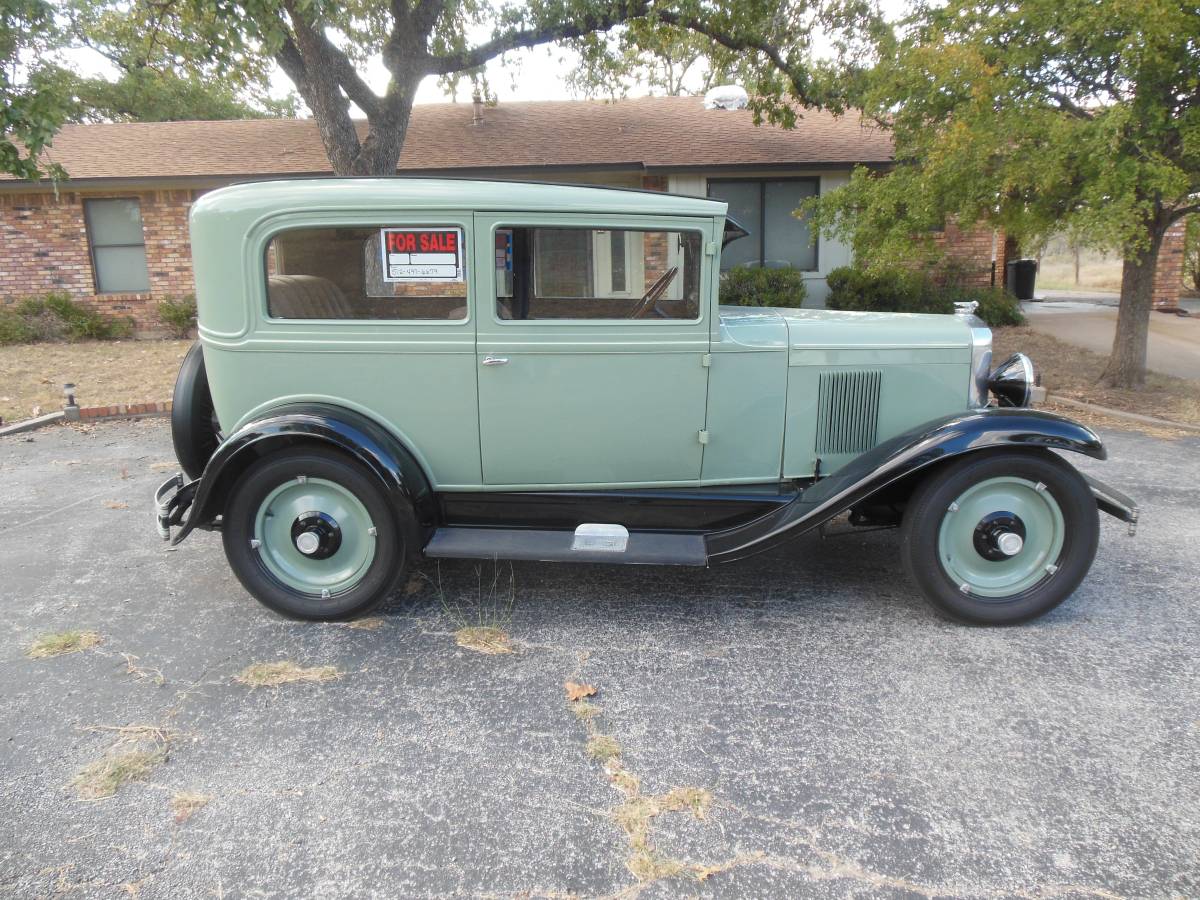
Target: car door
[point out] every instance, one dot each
(572, 390)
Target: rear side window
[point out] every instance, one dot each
(384, 272)
(597, 273)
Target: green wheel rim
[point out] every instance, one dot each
(327, 577)
(1037, 559)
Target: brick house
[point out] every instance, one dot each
(114, 235)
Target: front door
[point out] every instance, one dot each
(591, 350)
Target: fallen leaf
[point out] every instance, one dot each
(116, 504)
(578, 691)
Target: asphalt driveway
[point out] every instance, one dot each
(836, 739)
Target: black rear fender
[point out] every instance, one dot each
(898, 463)
(313, 424)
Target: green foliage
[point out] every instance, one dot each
(755, 286)
(148, 95)
(31, 111)
(909, 291)
(179, 315)
(14, 329)
(1035, 115)
(885, 290)
(56, 316)
(997, 307)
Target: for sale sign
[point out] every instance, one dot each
(422, 254)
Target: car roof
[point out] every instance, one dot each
(450, 193)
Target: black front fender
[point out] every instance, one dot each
(398, 471)
(897, 458)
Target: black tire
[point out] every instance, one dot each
(930, 504)
(395, 541)
(194, 428)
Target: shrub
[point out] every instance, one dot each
(891, 290)
(56, 317)
(900, 290)
(747, 286)
(997, 307)
(82, 323)
(14, 329)
(179, 315)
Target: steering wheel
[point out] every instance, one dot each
(650, 300)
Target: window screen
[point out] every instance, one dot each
(766, 209)
(118, 246)
(379, 272)
(598, 273)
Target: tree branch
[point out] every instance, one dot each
(475, 57)
(310, 41)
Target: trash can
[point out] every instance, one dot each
(1022, 273)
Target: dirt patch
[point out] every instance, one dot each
(274, 674)
(1074, 372)
(186, 804)
(104, 372)
(48, 645)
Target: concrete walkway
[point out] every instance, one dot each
(1174, 347)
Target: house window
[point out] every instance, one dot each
(764, 208)
(117, 245)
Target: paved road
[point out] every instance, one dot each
(853, 744)
(1174, 341)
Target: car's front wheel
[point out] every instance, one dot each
(311, 535)
(1000, 538)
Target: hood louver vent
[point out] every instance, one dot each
(848, 416)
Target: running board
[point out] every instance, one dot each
(646, 548)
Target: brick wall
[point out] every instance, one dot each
(968, 253)
(1168, 276)
(44, 248)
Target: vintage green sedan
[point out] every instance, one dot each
(391, 369)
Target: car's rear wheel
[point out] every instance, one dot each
(311, 534)
(1000, 538)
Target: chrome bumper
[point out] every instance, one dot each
(172, 501)
(1114, 502)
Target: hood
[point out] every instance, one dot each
(821, 328)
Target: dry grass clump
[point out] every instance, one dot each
(185, 804)
(481, 618)
(693, 799)
(635, 815)
(102, 778)
(603, 747)
(48, 645)
(487, 639)
(274, 674)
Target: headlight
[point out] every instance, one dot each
(981, 361)
(1013, 381)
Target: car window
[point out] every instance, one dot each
(597, 273)
(382, 272)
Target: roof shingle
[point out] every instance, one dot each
(663, 133)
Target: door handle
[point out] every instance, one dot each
(495, 361)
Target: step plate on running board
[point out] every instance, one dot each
(643, 547)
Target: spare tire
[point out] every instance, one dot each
(194, 427)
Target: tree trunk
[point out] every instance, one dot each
(380, 150)
(1127, 365)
